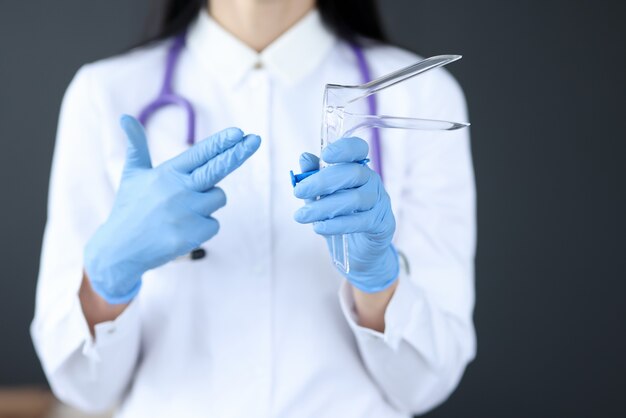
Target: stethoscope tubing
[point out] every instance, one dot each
(167, 96)
(372, 106)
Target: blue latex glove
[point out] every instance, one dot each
(163, 212)
(353, 201)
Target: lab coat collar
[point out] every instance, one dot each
(295, 54)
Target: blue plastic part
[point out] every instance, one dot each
(297, 178)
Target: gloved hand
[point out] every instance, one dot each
(353, 201)
(163, 212)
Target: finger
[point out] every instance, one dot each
(344, 202)
(188, 232)
(207, 149)
(309, 162)
(200, 231)
(208, 202)
(348, 224)
(137, 153)
(331, 179)
(345, 150)
(208, 175)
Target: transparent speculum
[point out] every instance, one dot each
(338, 122)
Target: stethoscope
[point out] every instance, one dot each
(167, 97)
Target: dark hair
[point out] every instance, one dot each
(348, 19)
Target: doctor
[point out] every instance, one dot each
(258, 323)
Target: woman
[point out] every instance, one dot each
(263, 324)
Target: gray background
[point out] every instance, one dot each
(545, 84)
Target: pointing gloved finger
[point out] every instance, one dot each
(207, 149)
(343, 202)
(331, 179)
(206, 203)
(348, 224)
(137, 154)
(345, 150)
(309, 162)
(209, 174)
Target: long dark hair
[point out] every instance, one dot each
(348, 19)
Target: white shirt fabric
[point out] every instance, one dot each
(263, 326)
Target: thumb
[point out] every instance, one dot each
(137, 154)
(309, 162)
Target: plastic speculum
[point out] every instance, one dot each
(338, 122)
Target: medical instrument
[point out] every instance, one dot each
(339, 121)
(167, 96)
(150, 204)
(297, 178)
(353, 202)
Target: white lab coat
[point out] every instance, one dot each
(264, 325)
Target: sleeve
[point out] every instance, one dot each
(429, 335)
(88, 373)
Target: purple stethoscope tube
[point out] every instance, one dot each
(167, 96)
(366, 77)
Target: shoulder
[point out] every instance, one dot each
(121, 74)
(433, 87)
(389, 57)
(386, 58)
(134, 63)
